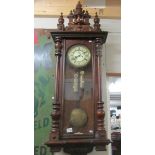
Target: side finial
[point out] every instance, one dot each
(96, 23)
(60, 24)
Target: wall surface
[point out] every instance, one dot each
(43, 75)
(52, 8)
(44, 69)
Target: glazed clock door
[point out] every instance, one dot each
(78, 110)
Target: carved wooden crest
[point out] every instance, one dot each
(79, 21)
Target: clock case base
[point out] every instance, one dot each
(80, 147)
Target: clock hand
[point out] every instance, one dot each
(77, 56)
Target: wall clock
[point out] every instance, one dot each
(78, 112)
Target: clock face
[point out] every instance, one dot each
(79, 55)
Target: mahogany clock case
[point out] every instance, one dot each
(78, 111)
(66, 71)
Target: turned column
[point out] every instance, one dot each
(100, 130)
(56, 104)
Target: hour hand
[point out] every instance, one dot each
(77, 56)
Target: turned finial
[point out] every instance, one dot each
(96, 23)
(60, 24)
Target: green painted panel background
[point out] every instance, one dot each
(44, 69)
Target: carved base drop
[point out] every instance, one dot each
(78, 149)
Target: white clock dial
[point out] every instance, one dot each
(79, 55)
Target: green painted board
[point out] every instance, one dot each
(44, 70)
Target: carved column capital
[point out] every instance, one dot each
(98, 46)
(58, 46)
